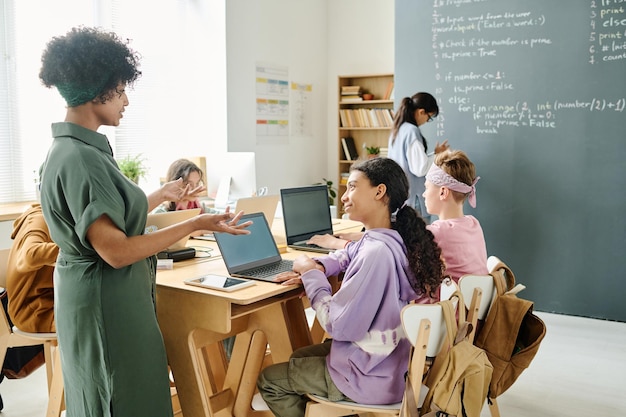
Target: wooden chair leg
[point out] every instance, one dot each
(47, 352)
(493, 407)
(56, 399)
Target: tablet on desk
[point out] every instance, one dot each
(220, 282)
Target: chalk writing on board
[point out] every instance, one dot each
(466, 41)
(607, 31)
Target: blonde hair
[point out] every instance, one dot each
(457, 164)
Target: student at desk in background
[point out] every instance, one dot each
(395, 262)
(113, 354)
(192, 177)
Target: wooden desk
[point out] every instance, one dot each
(195, 320)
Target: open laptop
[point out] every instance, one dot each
(306, 213)
(253, 256)
(265, 204)
(158, 221)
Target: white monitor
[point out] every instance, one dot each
(239, 166)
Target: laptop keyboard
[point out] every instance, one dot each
(302, 245)
(269, 270)
(307, 245)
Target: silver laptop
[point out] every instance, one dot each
(253, 256)
(306, 213)
(266, 204)
(158, 221)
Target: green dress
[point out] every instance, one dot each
(112, 350)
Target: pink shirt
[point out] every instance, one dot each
(462, 246)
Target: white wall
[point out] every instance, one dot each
(317, 41)
(360, 41)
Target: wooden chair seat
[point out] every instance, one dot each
(12, 337)
(424, 326)
(35, 336)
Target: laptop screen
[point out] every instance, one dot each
(305, 212)
(242, 252)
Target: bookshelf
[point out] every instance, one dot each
(365, 119)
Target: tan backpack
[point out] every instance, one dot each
(511, 333)
(459, 378)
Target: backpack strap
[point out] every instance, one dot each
(454, 334)
(459, 296)
(448, 312)
(507, 275)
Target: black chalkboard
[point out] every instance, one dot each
(534, 91)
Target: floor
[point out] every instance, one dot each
(580, 371)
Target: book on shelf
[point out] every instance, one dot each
(383, 152)
(349, 148)
(343, 117)
(351, 98)
(389, 91)
(350, 89)
(387, 122)
(352, 122)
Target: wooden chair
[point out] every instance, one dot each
(480, 290)
(425, 328)
(13, 337)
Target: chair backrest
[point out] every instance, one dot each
(425, 327)
(447, 288)
(412, 316)
(467, 285)
(492, 261)
(4, 261)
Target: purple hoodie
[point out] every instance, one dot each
(370, 352)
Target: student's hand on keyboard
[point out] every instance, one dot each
(300, 265)
(327, 241)
(288, 278)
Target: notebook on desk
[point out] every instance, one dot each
(253, 256)
(158, 221)
(306, 213)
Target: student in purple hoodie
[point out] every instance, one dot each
(396, 261)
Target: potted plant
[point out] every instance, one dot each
(332, 191)
(133, 167)
(332, 194)
(372, 151)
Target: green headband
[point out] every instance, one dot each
(75, 94)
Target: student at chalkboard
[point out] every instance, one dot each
(449, 182)
(408, 147)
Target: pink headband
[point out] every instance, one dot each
(441, 178)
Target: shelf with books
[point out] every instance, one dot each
(365, 108)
